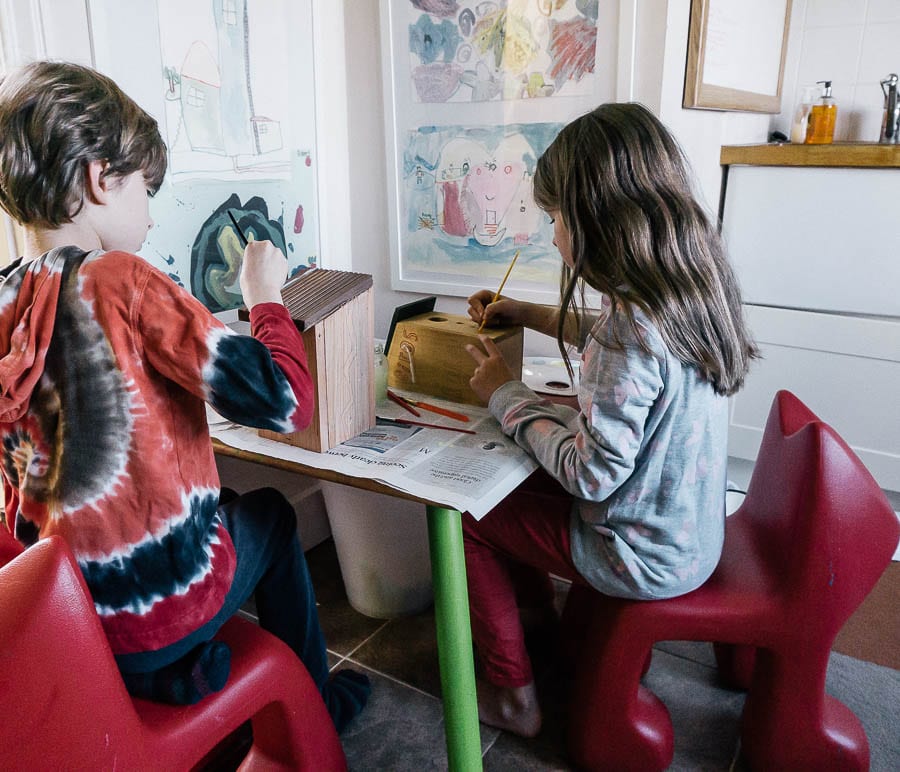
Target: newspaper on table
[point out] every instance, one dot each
(468, 472)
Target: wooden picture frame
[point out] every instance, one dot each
(735, 57)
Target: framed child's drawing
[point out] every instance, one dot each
(475, 91)
(229, 85)
(736, 53)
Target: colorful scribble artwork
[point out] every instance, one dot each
(217, 251)
(509, 49)
(222, 75)
(468, 203)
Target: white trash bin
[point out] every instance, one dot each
(382, 548)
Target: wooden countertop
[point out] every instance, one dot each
(847, 154)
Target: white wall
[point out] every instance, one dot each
(853, 43)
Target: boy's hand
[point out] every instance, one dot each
(263, 272)
(491, 371)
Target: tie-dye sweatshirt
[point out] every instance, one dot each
(644, 457)
(105, 365)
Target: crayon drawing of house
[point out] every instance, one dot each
(214, 91)
(201, 108)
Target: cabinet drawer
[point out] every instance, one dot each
(845, 368)
(817, 239)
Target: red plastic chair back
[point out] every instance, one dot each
(818, 515)
(64, 705)
(58, 680)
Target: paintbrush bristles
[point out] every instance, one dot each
(500, 288)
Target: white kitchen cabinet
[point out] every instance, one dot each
(814, 234)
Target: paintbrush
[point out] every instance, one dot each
(237, 227)
(403, 403)
(500, 288)
(405, 422)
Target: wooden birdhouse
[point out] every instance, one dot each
(333, 310)
(428, 354)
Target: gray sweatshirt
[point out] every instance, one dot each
(645, 459)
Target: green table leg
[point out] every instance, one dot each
(454, 638)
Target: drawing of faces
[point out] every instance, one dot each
(494, 184)
(523, 217)
(459, 213)
(478, 187)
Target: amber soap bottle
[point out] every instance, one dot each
(820, 129)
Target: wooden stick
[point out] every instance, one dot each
(500, 288)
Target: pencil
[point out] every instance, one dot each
(500, 288)
(435, 409)
(237, 227)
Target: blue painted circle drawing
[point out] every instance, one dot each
(217, 251)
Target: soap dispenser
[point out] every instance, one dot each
(820, 129)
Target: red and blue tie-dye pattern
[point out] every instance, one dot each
(106, 365)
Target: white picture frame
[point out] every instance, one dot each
(438, 248)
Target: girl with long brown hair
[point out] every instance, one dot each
(631, 495)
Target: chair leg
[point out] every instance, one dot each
(614, 722)
(286, 741)
(790, 723)
(735, 662)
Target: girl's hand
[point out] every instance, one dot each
(491, 371)
(263, 271)
(504, 311)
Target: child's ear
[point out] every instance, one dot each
(97, 181)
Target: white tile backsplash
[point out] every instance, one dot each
(853, 43)
(883, 10)
(830, 53)
(845, 121)
(864, 125)
(880, 52)
(824, 13)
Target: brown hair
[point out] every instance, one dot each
(620, 183)
(55, 118)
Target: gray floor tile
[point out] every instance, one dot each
(400, 730)
(705, 717)
(696, 651)
(405, 649)
(872, 692)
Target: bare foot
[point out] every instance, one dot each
(516, 710)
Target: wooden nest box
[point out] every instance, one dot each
(428, 355)
(333, 311)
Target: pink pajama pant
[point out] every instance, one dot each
(509, 554)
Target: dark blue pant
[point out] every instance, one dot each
(271, 565)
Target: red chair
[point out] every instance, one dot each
(809, 542)
(63, 704)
